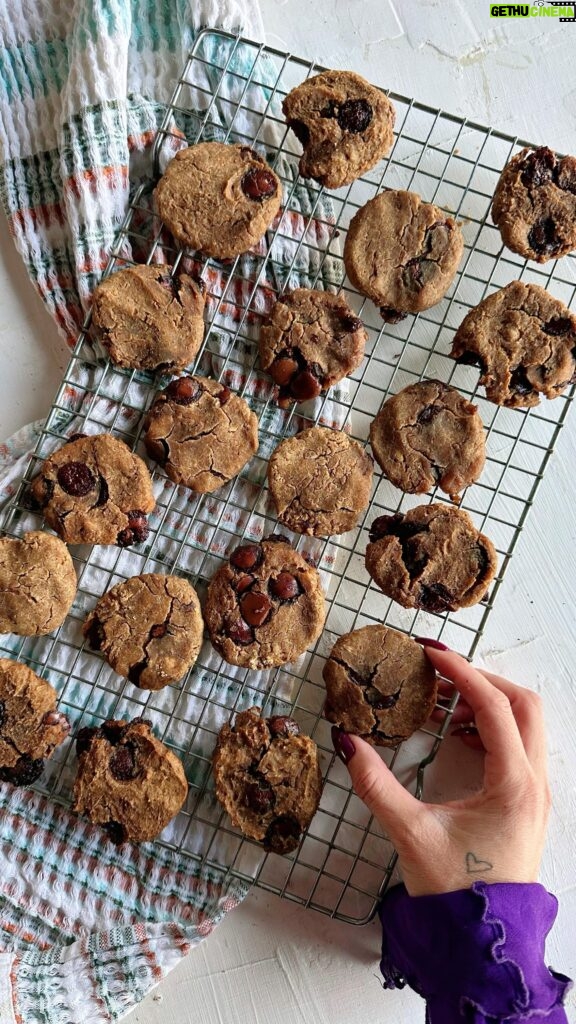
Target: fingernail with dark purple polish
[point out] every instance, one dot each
(343, 745)
(427, 642)
(465, 730)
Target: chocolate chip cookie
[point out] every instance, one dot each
(127, 780)
(30, 725)
(534, 204)
(320, 481)
(402, 253)
(344, 124)
(265, 606)
(148, 628)
(149, 319)
(427, 435)
(94, 490)
(218, 198)
(379, 685)
(523, 340)
(37, 583)
(200, 432)
(432, 557)
(311, 340)
(268, 778)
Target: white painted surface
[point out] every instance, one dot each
(271, 962)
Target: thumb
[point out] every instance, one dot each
(391, 804)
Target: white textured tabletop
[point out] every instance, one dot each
(272, 962)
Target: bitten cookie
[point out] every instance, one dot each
(148, 628)
(267, 778)
(37, 583)
(402, 253)
(94, 490)
(320, 481)
(426, 435)
(523, 340)
(311, 340)
(127, 780)
(218, 198)
(30, 725)
(200, 432)
(534, 204)
(344, 124)
(379, 685)
(265, 606)
(149, 320)
(433, 557)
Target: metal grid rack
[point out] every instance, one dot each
(232, 89)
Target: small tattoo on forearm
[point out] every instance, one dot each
(475, 866)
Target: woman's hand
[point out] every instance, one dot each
(498, 834)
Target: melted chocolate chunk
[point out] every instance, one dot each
(113, 731)
(351, 324)
(224, 395)
(258, 184)
(123, 763)
(76, 479)
(255, 608)
(116, 832)
(158, 449)
(354, 116)
(137, 530)
(24, 772)
(258, 795)
(435, 597)
(305, 385)
(380, 701)
(428, 413)
(538, 167)
(396, 526)
(283, 834)
(84, 738)
(158, 630)
(542, 236)
(240, 633)
(183, 391)
(391, 316)
(246, 557)
(558, 326)
(95, 634)
(103, 493)
(417, 272)
(283, 369)
(285, 587)
(471, 359)
(301, 131)
(519, 382)
(135, 671)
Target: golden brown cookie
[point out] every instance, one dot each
(432, 557)
(94, 490)
(128, 781)
(218, 198)
(265, 606)
(200, 432)
(148, 318)
(149, 629)
(344, 124)
(37, 583)
(268, 778)
(30, 725)
(379, 685)
(320, 481)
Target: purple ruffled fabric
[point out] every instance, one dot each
(476, 955)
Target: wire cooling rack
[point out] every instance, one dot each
(232, 89)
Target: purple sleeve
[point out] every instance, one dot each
(476, 955)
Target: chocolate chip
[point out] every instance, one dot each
(469, 358)
(351, 324)
(519, 382)
(428, 413)
(75, 478)
(255, 608)
(305, 386)
(135, 671)
(259, 183)
(283, 369)
(158, 449)
(355, 116)
(2, 713)
(248, 556)
(24, 772)
(282, 834)
(417, 272)
(391, 316)
(240, 633)
(301, 131)
(54, 719)
(243, 583)
(95, 634)
(116, 832)
(380, 701)
(283, 725)
(159, 630)
(542, 236)
(137, 530)
(285, 587)
(103, 493)
(113, 731)
(183, 391)
(123, 763)
(258, 795)
(538, 167)
(330, 110)
(224, 395)
(84, 738)
(558, 325)
(382, 527)
(435, 597)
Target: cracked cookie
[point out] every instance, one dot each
(37, 583)
(94, 490)
(429, 435)
(311, 340)
(148, 319)
(265, 606)
(402, 253)
(344, 124)
(200, 432)
(320, 481)
(431, 557)
(379, 685)
(30, 725)
(218, 198)
(149, 629)
(523, 340)
(128, 781)
(268, 779)
(534, 205)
